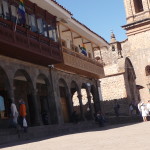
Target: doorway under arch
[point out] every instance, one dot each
(64, 100)
(130, 82)
(42, 85)
(24, 89)
(4, 93)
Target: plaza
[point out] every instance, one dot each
(114, 137)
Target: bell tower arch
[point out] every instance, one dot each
(137, 10)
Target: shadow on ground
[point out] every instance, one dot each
(40, 133)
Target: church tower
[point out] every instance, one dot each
(137, 47)
(137, 16)
(137, 10)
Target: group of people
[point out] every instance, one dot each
(144, 109)
(18, 118)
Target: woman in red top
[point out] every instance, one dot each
(22, 113)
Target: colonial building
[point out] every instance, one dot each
(127, 63)
(48, 61)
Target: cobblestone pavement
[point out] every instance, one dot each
(116, 137)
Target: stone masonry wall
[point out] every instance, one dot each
(113, 87)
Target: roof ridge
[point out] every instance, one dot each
(61, 6)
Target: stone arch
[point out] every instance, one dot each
(43, 96)
(66, 104)
(75, 92)
(86, 100)
(24, 89)
(4, 93)
(130, 82)
(96, 103)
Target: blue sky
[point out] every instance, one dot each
(101, 16)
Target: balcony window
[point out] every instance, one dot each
(31, 21)
(34, 21)
(52, 33)
(6, 9)
(45, 33)
(42, 27)
(13, 13)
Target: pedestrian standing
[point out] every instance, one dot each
(22, 115)
(116, 108)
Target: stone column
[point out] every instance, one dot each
(98, 95)
(90, 105)
(11, 92)
(70, 103)
(35, 107)
(52, 106)
(55, 94)
(81, 106)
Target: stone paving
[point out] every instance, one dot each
(115, 137)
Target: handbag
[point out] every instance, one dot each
(25, 123)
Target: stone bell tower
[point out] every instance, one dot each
(137, 46)
(137, 10)
(138, 21)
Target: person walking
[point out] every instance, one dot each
(144, 112)
(116, 108)
(14, 114)
(22, 115)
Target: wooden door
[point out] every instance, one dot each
(65, 109)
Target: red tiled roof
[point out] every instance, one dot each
(61, 6)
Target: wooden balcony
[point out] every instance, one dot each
(27, 46)
(80, 64)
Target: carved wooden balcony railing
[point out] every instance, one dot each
(80, 64)
(27, 46)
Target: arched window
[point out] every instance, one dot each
(138, 5)
(147, 70)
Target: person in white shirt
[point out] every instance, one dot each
(144, 112)
(14, 114)
(139, 108)
(148, 106)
